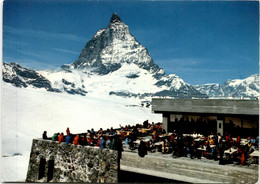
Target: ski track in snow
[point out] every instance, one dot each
(26, 113)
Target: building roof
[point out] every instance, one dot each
(206, 106)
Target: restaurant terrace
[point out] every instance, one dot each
(198, 141)
(237, 117)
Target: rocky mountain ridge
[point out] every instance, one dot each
(113, 62)
(20, 76)
(243, 88)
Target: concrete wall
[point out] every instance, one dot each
(71, 163)
(207, 106)
(194, 171)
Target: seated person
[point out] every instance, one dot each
(55, 136)
(100, 132)
(142, 149)
(165, 146)
(92, 131)
(44, 135)
(208, 151)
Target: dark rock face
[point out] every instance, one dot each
(22, 77)
(15, 81)
(132, 76)
(40, 82)
(183, 93)
(76, 91)
(67, 82)
(103, 70)
(70, 88)
(115, 18)
(19, 76)
(123, 94)
(163, 83)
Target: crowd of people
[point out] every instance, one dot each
(91, 138)
(151, 137)
(223, 148)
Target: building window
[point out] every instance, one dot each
(50, 170)
(219, 125)
(42, 168)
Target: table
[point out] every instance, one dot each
(230, 151)
(158, 143)
(164, 135)
(200, 135)
(194, 135)
(243, 141)
(255, 154)
(202, 149)
(158, 146)
(186, 135)
(199, 139)
(211, 136)
(144, 130)
(138, 141)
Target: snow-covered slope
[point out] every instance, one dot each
(237, 88)
(128, 81)
(27, 112)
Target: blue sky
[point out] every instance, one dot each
(201, 42)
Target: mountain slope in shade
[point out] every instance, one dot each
(23, 77)
(248, 87)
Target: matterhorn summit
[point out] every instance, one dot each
(115, 18)
(113, 46)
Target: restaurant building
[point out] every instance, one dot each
(232, 116)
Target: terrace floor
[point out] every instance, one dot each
(185, 169)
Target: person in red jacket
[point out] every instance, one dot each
(60, 138)
(76, 140)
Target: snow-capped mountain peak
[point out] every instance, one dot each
(113, 62)
(115, 18)
(112, 46)
(238, 88)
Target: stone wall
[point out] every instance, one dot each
(51, 161)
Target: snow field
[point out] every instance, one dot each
(26, 113)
